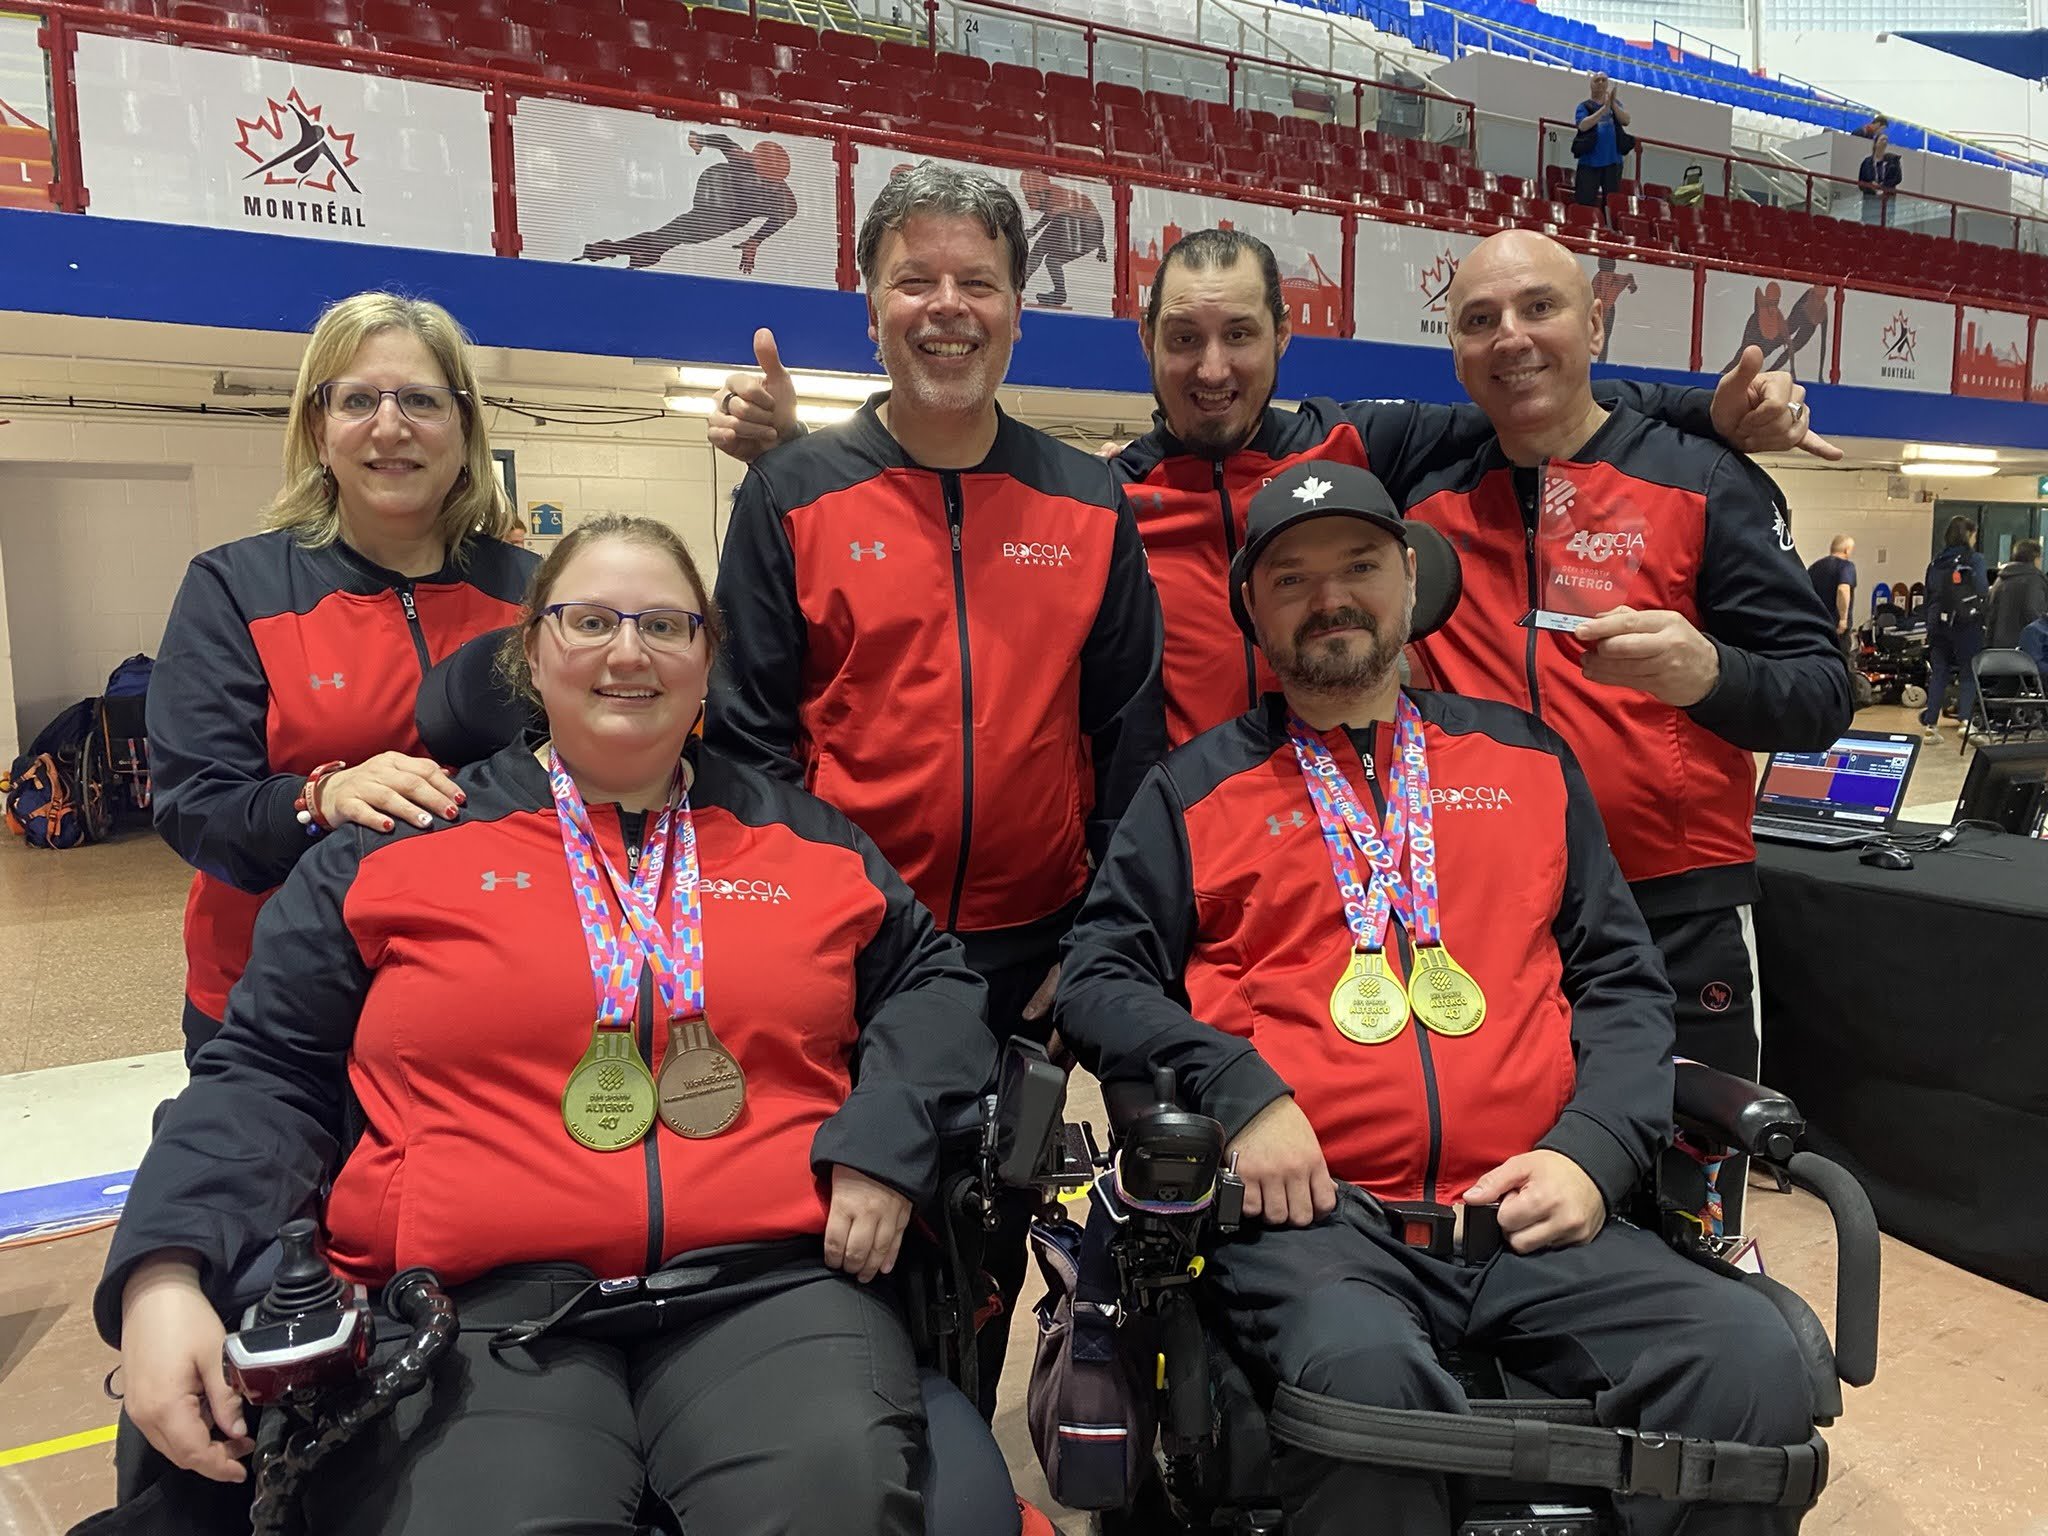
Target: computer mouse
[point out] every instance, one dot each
(1887, 858)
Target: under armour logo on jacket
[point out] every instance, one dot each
(874, 549)
(336, 681)
(519, 882)
(1275, 826)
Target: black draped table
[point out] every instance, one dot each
(1906, 1013)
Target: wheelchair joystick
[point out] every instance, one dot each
(310, 1332)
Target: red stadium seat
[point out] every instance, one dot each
(714, 19)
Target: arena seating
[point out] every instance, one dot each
(705, 53)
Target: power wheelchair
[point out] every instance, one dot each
(1527, 1464)
(324, 1362)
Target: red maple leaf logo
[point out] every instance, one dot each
(297, 142)
(1435, 279)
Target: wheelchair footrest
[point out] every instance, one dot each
(1539, 1450)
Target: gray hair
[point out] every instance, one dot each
(929, 187)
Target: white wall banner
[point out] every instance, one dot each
(1068, 224)
(1792, 322)
(1894, 343)
(1309, 248)
(1992, 361)
(1648, 310)
(627, 189)
(26, 165)
(1399, 285)
(230, 140)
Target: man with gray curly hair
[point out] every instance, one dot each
(942, 620)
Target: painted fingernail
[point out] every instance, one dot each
(389, 823)
(449, 812)
(425, 820)
(461, 798)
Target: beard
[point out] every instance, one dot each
(1340, 667)
(1218, 439)
(910, 373)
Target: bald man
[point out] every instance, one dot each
(1637, 589)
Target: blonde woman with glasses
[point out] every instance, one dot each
(282, 702)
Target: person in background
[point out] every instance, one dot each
(1597, 146)
(2018, 597)
(516, 534)
(2034, 641)
(1879, 178)
(1834, 582)
(1957, 598)
(1878, 127)
(282, 703)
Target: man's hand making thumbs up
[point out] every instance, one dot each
(756, 410)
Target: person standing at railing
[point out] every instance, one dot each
(1879, 179)
(1600, 146)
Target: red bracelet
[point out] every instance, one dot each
(307, 806)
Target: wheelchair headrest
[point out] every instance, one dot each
(1439, 580)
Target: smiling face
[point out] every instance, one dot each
(1330, 602)
(623, 698)
(391, 474)
(1215, 352)
(1524, 333)
(944, 314)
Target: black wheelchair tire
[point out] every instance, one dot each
(96, 786)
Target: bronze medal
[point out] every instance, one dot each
(703, 1089)
(1444, 994)
(608, 1104)
(1369, 1004)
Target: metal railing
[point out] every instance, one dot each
(501, 91)
(1783, 185)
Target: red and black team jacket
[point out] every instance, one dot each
(1191, 509)
(963, 661)
(1674, 786)
(276, 659)
(1214, 934)
(440, 978)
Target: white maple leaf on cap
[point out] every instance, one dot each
(1312, 490)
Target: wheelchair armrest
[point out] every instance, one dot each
(1731, 1111)
(1858, 1259)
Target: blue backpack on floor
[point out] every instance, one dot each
(47, 802)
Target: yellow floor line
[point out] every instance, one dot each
(56, 1447)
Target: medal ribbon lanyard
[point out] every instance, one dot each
(674, 950)
(1348, 830)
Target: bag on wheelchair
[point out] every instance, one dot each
(46, 804)
(1091, 1409)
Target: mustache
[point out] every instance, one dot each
(1338, 618)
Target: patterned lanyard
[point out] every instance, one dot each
(674, 950)
(1348, 829)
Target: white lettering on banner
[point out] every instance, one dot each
(238, 141)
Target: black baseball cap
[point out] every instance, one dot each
(1300, 494)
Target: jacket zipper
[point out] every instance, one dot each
(949, 484)
(1405, 951)
(412, 619)
(1251, 661)
(1528, 510)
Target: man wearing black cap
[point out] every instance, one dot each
(1378, 934)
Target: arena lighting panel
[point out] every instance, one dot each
(1949, 453)
(811, 414)
(1948, 471)
(852, 388)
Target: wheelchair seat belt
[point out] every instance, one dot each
(1532, 1449)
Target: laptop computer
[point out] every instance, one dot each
(1840, 797)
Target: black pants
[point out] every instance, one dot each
(1009, 988)
(1592, 185)
(797, 1413)
(1711, 960)
(1656, 1341)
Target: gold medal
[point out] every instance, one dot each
(1369, 1005)
(1444, 994)
(703, 1089)
(609, 1103)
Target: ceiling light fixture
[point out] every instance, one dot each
(853, 388)
(1948, 453)
(1948, 471)
(811, 414)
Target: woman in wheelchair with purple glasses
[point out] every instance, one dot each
(780, 1035)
